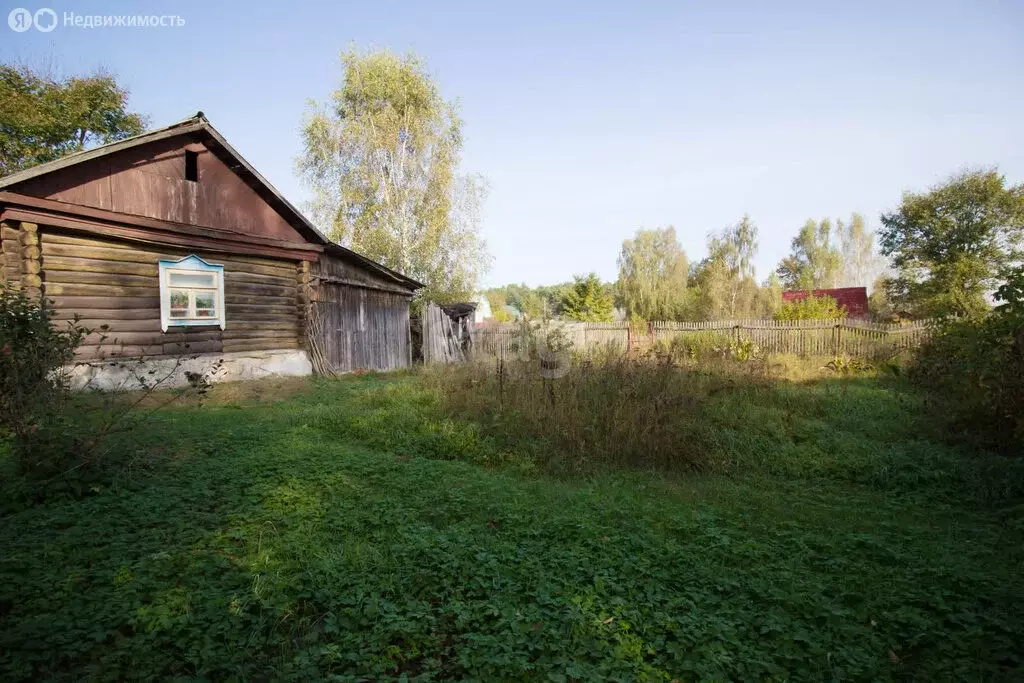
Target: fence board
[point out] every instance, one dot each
(859, 338)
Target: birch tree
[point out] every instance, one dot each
(735, 247)
(381, 158)
(815, 262)
(861, 262)
(652, 275)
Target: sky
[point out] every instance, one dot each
(590, 119)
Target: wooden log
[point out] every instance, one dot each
(83, 289)
(148, 338)
(95, 314)
(233, 333)
(81, 303)
(235, 310)
(175, 349)
(115, 325)
(231, 345)
(259, 279)
(9, 231)
(79, 265)
(232, 286)
(95, 278)
(150, 323)
(252, 300)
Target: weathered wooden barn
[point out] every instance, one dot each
(177, 245)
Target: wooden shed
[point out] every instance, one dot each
(178, 245)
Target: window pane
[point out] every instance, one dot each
(189, 279)
(179, 300)
(179, 313)
(204, 312)
(204, 300)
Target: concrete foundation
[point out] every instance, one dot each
(129, 374)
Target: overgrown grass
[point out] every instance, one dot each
(362, 529)
(612, 412)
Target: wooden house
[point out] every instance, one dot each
(179, 247)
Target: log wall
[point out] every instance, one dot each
(112, 283)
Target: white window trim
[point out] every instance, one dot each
(190, 264)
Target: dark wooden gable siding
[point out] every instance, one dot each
(149, 180)
(364, 316)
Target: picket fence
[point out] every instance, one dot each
(858, 338)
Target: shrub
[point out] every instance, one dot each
(34, 352)
(811, 308)
(975, 369)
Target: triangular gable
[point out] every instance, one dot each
(149, 180)
(146, 176)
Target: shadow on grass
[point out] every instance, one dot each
(295, 540)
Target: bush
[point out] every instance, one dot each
(34, 352)
(811, 308)
(975, 369)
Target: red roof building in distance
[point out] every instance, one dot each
(854, 299)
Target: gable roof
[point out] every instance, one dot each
(199, 129)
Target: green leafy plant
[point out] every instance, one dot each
(848, 365)
(35, 352)
(811, 308)
(974, 368)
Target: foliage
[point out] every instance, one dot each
(334, 533)
(735, 248)
(382, 159)
(878, 301)
(722, 285)
(45, 118)
(814, 263)
(861, 264)
(588, 301)
(975, 368)
(811, 308)
(34, 350)
(538, 302)
(953, 244)
(496, 300)
(652, 275)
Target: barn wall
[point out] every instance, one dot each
(149, 181)
(114, 283)
(364, 327)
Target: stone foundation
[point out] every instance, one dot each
(128, 374)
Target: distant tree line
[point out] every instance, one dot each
(939, 253)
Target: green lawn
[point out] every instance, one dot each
(348, 529)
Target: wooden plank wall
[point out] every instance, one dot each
(364, 316)
(149, 180)
(364, 329)
(113, 283)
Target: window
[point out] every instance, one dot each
(191, 166)
(191, 293)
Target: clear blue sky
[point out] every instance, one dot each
(591, 120)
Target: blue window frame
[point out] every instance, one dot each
(191, 293)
